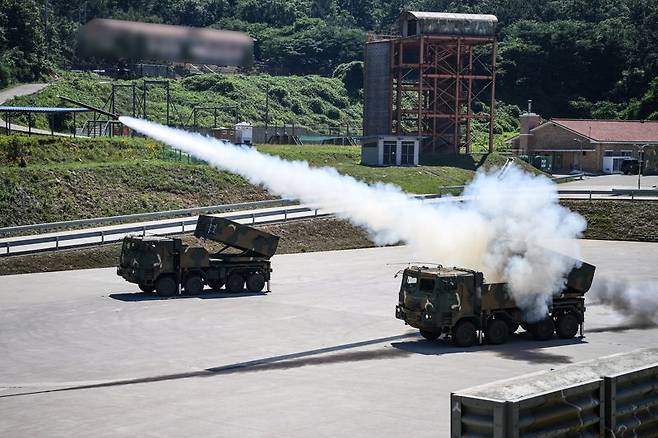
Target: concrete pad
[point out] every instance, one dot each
(83, 353)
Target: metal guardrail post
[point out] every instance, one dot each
(253, 218)
(143, 230)
(7, 245)
(316, 212)
(632, 195)
(590, 195)
(285, 215)
(57, 242)
(102, 236)
(182, 226)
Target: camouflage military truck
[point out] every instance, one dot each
(166, 264)
(458, 303)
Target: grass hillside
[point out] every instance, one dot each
(306, 100)
(68, 178)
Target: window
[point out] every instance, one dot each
(411, 27)
(389, 152)
(426, 284)
(407, 156)
(609, 153)
(626, 153)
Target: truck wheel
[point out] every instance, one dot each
(166, 287)
(567, 325)
(464, 334)
(234, 283)
(215, 284)
(255, 282)
(193, 284)
(497, 332)
(543, 330)
(430, 336)
(146, 289)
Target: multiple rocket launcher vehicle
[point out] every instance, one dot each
(438, 301)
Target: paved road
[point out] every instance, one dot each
(24, 90)
(609, 182)
(331, 360)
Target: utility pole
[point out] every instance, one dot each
(640, 162)
(267, 109)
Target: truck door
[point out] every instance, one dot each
(449, 299)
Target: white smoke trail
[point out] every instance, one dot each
(500, 231)
(636, 301)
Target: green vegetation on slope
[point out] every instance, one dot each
(304, 100)
(50, 193)
(575, 58)
(68, 178)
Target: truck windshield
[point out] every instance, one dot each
(410, 282)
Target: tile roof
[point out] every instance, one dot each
(613, 130)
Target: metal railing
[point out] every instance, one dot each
(56, 242)
(585, 193)
(175, 225)
(7, 231)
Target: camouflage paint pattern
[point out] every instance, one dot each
(244, 237)
(437, 298)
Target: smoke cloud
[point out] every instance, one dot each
(638, 301)
(501, 229)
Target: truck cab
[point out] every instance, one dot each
(144, 260)
(435, 299)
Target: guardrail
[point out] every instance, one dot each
(58, 241)
(587, 193)
(147, 216)
(115, 234)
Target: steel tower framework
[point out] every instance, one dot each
(436, 84)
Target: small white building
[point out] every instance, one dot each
(390, 150)
(244, 133)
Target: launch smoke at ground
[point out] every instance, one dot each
(638, 302)
(501, 230)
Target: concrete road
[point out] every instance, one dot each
(25, 90)
(609, 182)
(322, 355)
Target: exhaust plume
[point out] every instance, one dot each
(500, 229)
(638, 302)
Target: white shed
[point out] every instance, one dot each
(244, 133)
(390, 150)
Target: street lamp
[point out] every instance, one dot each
(640, 161)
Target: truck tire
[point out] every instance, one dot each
(234, 283)
(255, 282)
(193, 284)
(430, 336)
(166, 286)
(464, 334)
(497, 331)
(215, 284)
(146, 289)
(543, 330)
(567, 325)
(512, 326)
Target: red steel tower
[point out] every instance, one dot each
(435, 80)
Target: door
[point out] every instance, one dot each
(407, 157)
(389, 153)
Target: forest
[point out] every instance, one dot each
(574, 58)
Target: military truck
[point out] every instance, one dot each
(456, 302)
(165, 264)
